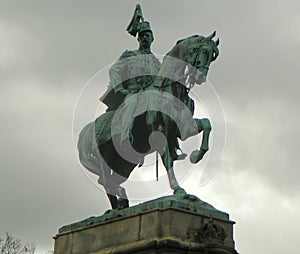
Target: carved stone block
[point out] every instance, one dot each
(163, 228)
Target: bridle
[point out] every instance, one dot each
(192, 68)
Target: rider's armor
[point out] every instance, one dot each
(133, 72)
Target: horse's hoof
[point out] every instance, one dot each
(194, 157)
(122, 203)
(197, 155)
(179, 191)
(108, 211)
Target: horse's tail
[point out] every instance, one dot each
(89, 155)
(92, 160)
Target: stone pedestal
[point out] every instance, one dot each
(174, 224)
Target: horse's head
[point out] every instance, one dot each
(198, 52)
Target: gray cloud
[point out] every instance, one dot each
(48, 51)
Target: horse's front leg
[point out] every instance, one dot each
(203, 125)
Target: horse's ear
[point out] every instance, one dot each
(211, 36)
(217, 42)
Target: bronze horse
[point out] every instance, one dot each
(165, 107)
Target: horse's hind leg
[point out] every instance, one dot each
(168, 163)
(114, 190)
(122, 201)
(203, 125)
(111, 191)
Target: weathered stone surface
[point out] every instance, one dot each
(184, 201)
(174, 224)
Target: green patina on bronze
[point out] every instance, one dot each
(182, 201)
(145, 97)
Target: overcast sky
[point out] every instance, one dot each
(50, 49)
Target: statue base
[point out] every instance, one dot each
(172, 224)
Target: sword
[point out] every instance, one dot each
(156, 166)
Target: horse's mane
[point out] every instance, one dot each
(182, 44)
(175, 60)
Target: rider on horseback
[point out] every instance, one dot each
(135, 69)
(133, 72)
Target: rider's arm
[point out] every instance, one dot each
(117, 73)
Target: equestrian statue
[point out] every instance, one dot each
(148, 110)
